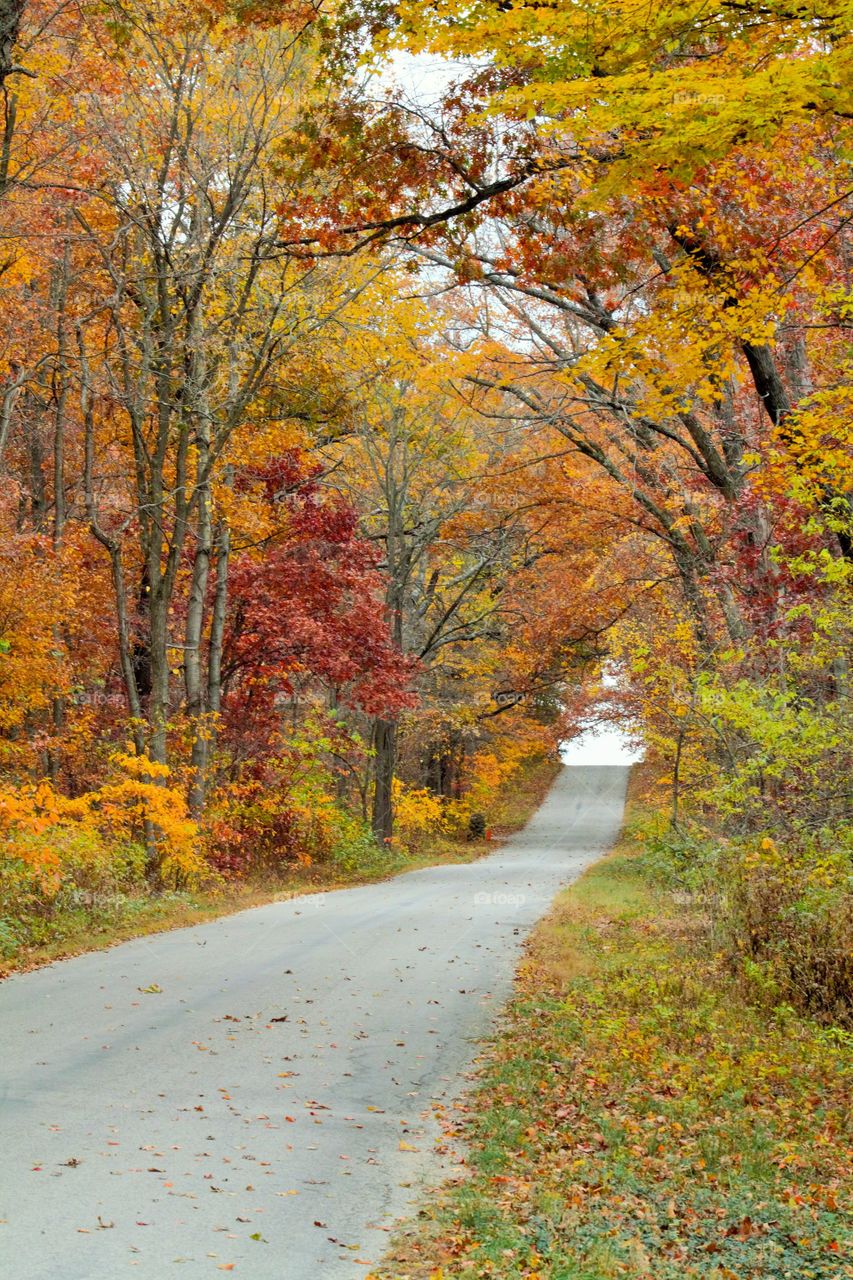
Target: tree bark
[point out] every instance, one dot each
(384, 763)
(194, 683)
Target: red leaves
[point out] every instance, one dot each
(312, 608)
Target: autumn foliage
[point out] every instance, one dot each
(347, 439)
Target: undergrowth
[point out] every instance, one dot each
(779, 910)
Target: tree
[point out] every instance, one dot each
(203, 316)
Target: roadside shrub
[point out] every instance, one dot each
(260, 831)
(265, 832)
(356, 852)
(94, 867)
(780, 911)
(92, 878)
(787, 913)
(477, 826)
(680, 858)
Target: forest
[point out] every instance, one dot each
(351, 435)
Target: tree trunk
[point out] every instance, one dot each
(59, 503)
(193, 676)
(158, 705)
(11, 13)
(113, 547)
(385, 759)
(217, 627)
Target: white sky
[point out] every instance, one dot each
(600, 744)
(422, 77)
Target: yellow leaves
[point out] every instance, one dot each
(605, 71)
(418, 811)
(136, 766)
(34, 591)
(685, 346)
(812, 453)
(44, 829)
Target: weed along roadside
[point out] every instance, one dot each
(636, 1116)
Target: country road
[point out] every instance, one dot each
(255, 1095)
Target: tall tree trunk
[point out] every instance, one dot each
(159, 700)
(11, 13)
(385, 731)
(61, 390)
(384, 764)
(217, 637)
(113, 547)
(194, 683)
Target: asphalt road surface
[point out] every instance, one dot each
(257, 1095)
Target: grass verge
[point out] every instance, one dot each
(112, 918)
(635, 1118)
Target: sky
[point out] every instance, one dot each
(422, 77)
(600, 744)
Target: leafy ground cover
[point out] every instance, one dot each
(76, 923)
(635, 1117)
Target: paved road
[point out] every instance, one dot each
(269, 1110)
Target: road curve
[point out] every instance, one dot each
(254, 1095)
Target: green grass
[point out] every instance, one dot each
(71, 927)
(637, 1119)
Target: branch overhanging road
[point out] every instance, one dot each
(255, 1094)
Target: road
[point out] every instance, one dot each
(257, 1094)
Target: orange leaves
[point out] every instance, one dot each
(27, 816)
(34, 592)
